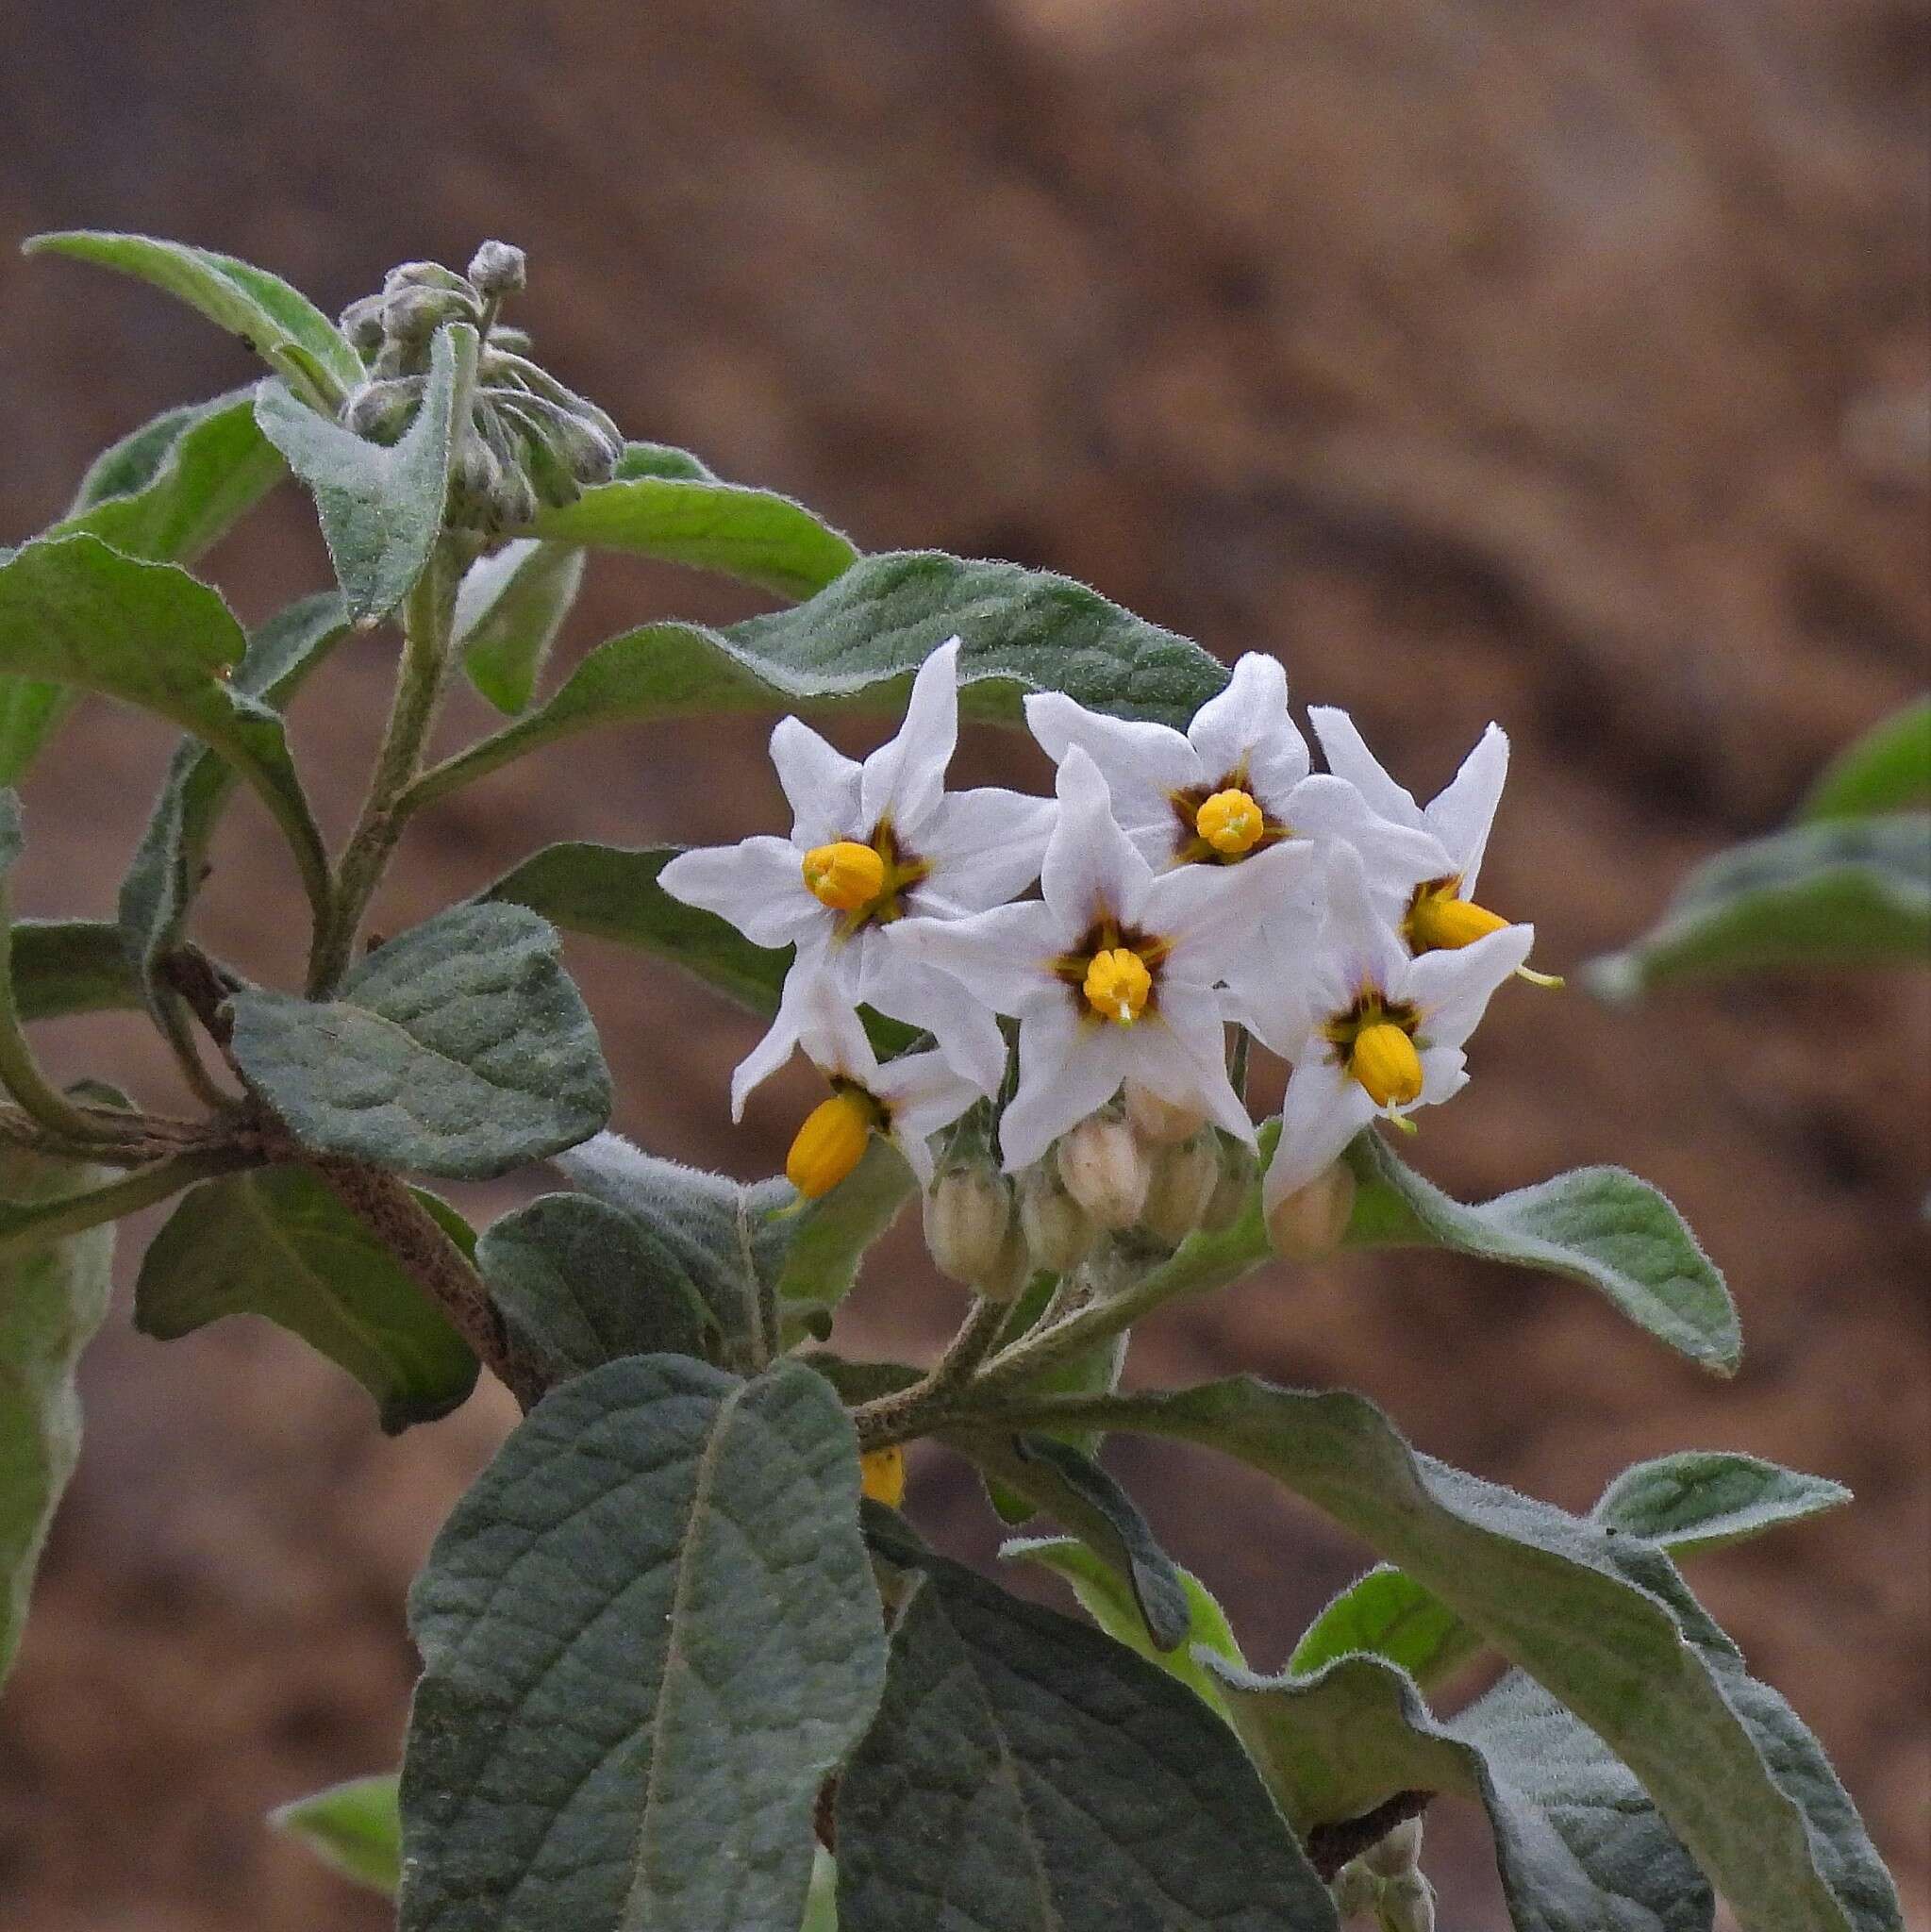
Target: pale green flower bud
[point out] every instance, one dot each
(497, 270)
(1105, 1170)
(1159, 1121)
(1399, 1852)
(1058, 1231)
(968, 1218)
(425, 275)
(1228, 1201)
(412, 316)
(1356, 1888)
(1183, 1181)
(1407, 1904)
(382, 411)
(361, 322)
(1013, 1269)
(1307, 1224)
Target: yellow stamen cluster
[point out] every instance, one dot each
(882, 1476)
(1440, 922)
(831, 1141)
(1385, 1062)
(846, 876)
(1118, 985)
(1231, 823)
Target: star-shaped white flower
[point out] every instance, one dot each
(1235, 784)
(1113, 975)
(873, 844)
(1370, 1029)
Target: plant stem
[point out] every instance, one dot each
(428, 619)
(906, 1414)
(19, 1072)
(48, 1220)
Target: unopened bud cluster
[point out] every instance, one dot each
(527, 441)
(1387, 1880)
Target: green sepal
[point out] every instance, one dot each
(354, 1827)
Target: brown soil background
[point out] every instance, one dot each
(1554, 363)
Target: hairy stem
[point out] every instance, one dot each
(911, 1411)
(428, 621)
(72, 1213)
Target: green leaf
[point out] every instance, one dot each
(611, 893)
(856, 644)
(166, 873)
(693, 517)
(381, 507)
(1886, 769)
(62, 966)
(1389, 1615)
(277, 1241)
(1601, 1620)
(821, 1907)
(1576, 1841)
(356, 1827)
(75, 613)
(460, 1049)
(580, 1283)
(1028, 1774)
(648, 1633)
(53, 1296)
(829, 1238)
(1841, 892)
(31, 711)
(1599, 1226)
(508, 610)
(178, 483)
(1105, 1595)
(1703, 1499)
(249, 302)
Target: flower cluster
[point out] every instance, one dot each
(1187, 884)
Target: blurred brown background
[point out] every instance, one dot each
(1556, 363)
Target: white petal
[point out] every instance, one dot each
(1349, 758)
(1181, 1054)
(1066, 1069)
(821, 783)
(1247, 724)
(1461, 815)
(1397, 857)
(1091, 869)
(1002, 958)
(1145, 763)
(757, 886)
(984, 847)
(923, 1094)
(1358, 943)
(780, 1040)
(904, 779)
(1453, 985)
(828, 1027)
(923, 995)
(1212, 915)
(1323, 1111)
(1445, 1073)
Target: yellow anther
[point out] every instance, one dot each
(1385, 1062)
(846, 876)
(1118, 985)
(1231, 823)
(830, 1143)
(882, 1476)
(1438, 922)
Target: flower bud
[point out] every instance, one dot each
(1397, 1853)
(1228, 1201)
(1307, 1224)
(1011, 1271)
(882, 1476)
(1058, 1231)
(425, 275)
(1356, 1888)
(412, 316)
(1183, 1182)
(1159, 1121)
(382, 411)
(968, 1215)
(1103, 1169)
(1407, 1904)
(361, 322)
(497, 270)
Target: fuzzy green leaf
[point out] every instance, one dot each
(249, 302)
(1888, 769)
(1602, 1621)
(75, 613)
(657, 507)
(1387, 1614)
(458, 1049)
(356, 1827)
(277, 1241)
(381, 507)
(1599, 1226)
(1702, 1499)
(508, 610)
(1029, 1774)
(1576, 1841)
(62, 966)
(856, 644)
(1841, 892)
(611, 893)
(31, 711)
(170, 489)
(648, 1632)
(580, 1283)
(53, 1296)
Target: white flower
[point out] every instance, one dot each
(1235, 784)
(908, 1099)
(873, 843)
(1441, 910)
(1370, 1029)
(1112, 975)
